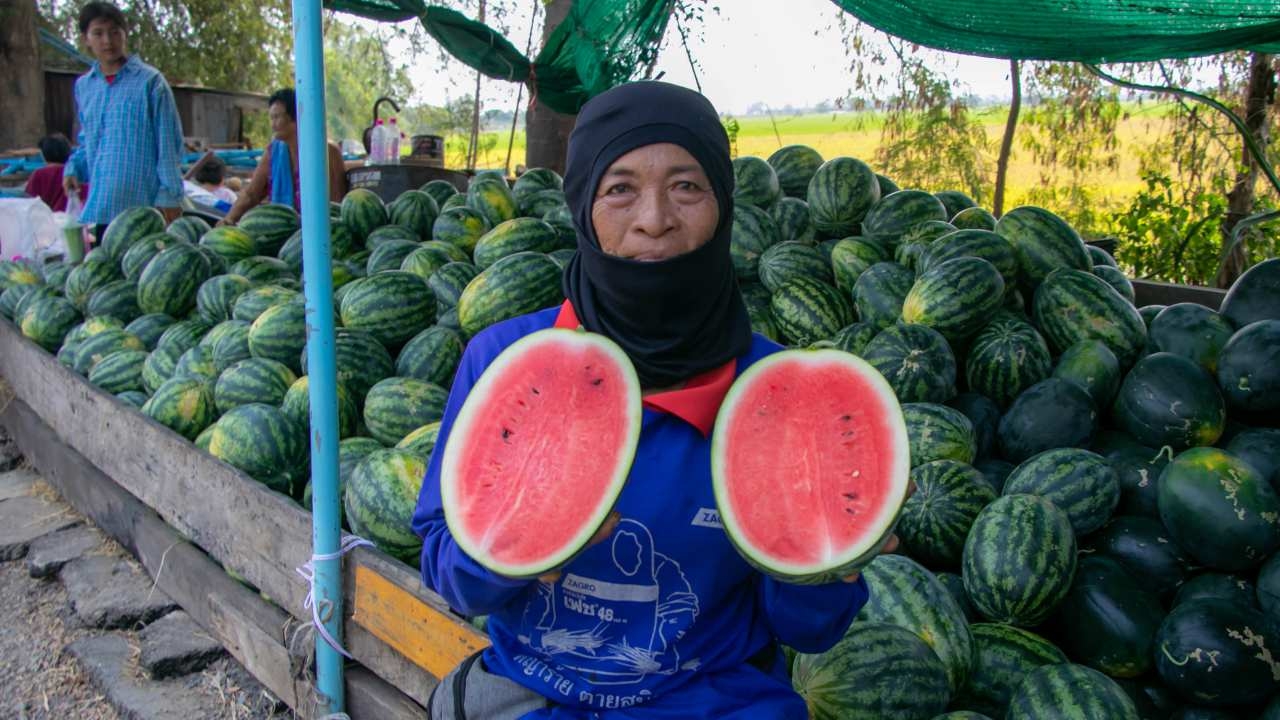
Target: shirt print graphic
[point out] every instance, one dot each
(624, 624)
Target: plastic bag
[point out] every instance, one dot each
(28, 229)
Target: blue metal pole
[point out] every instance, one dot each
(308, 45)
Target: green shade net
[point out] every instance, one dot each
(1092, 31)
(600, 44)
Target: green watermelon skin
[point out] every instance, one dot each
(396, 406)
(280, 334)
(1100, 257)
(753, 232)
(1260, 447)
(795, 166)
(1116, 279)
(1143, 547)
(1231, 588)
(861, 677)
(142, 252)
(442, 190)
(1019, 560)
(917, 241)
(806, 310)
(216, 297)
(850, 258)
(259, 440)
(119, 372)
(787, 260)
(97, 346)
(515, 285)
(422, 262)
(492, 199)
(270, 224)
(188, 228)
(513, 236)
(1211, 652)
(449, 281)
(984, 244)
(536, 180)
(252, 303)
(956, 297)
(1069, 692)
(1219, 510)
(1053, 413)
(170, 281)
(252, 380)
(432, 355)
(230, 243)
(905, 594)
(840, 193)
(297, 407)
(461, 227)
(1249, 368)
(117, 299)
(198, 363)
(854, 338)
(158, 367)
(415, 210)
(1138, 469)
(983, 415)
(1044, 243)
(11, 297)
(88, 276)
(379, 500)
(954, 201)
(938, 432)
(879, 291)
(755, 182)
(916, 361)
(887, 186)
(954, 585)
(183, 404)
(421, 441)
(390, 234)
(894, 213)
(936, 519)
(149, 328)
(389, 255)
(1081, 483)
(1070, 306)
(392, 306)
(362, 361)
(135, 398)
(362, 212)
(129, 227)
(1254, 296)
(1168, 400)
(183, 335)
(1121, 617)
(1003, 656)
(1149, 313)
(1005, 358)
(791, 217)
(230, 343)
(1091, 365)
(1269, 586)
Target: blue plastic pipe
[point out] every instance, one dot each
(321, 368)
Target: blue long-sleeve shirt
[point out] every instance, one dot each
(656, 622)
(130, 145)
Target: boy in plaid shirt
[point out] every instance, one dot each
(130, 135)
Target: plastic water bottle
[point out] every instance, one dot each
(393, 143)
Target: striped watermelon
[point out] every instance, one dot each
(937, 517)
(894, 213)
(755, 182)
(140, 253)
(954, 201)
(88, 276)
(1121, 617)
(120, 371)
(1081, 483)
(229, 342)
(984, 244)
(1069, 692)
(455, 201)
(1019, 560)
(561, 219)
(955, 297)
(791, 216)
(297, 407)
(449, 281)
(1072, 306)
(1053, 413)
(461, 227)
(197, 362)
(183, 404)
(839, 194)
(938, 432)
(392, 306)
(270, 224)
(183, 335)
(879, 292)
(362, 212)
(117, 299)
(753, 232)
(380, 497)
(535, 180)
(916, 361)
(795, 166)
(390, 234)
(94, 348)
(230, 243)
(261, 269)
(432, 355)
(149, 328)
(806, 310)
(252, 380)
(421, 441)
(135, 398)
(158, 367)
(188, 228)
(974, 219)
(513, 236)
(217, 295)
(861, 677)
(129, 227)
(389, 255)
(492, 198)
(1116, 279)
(415, 210)
(10, 298)
(48, 320)
(1167, 399)
(905, 594)
(422, 262)
(1005, 358)
(1091, 365)
(515, 285)
(441, 190)
(260, 441)
(1044, 242)
(538, 204)
(169, 283)
(854, 338)
(361, 360)
(850, 258)
(280, 334)
(1003, 656)
(787, 260)
(252, 303)
(396, 406)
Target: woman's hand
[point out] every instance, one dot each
(610, 523)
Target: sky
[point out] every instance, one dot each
(751, 51)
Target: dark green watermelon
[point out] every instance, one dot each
(1221, 586)
(1072, 305)
(1091, 365)
(1168, 400)
(937, 432)
(755, 182)
(879, 292)
(1217, 653)
(1144, 549)
(1138, 469)
(753, 232)
(1044, 242)
(1254, 296)
(974, 219)
(892, 214)
(1053, 413)
(1003, 656)
(1006, 357)
(1249, 368)
(956, 297)
(983, 414)
(806, 310)
(1192, 331)
(1260, 447)
(1108, 621)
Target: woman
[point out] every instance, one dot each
(660, 617)
(276, 177)
(46, 182)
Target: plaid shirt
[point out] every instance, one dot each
(130, 141)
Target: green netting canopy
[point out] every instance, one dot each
(1092, 31)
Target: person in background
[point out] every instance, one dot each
(205, 186)
(131, 137)
(46, 182)
(276, 177)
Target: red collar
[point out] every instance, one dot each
(696, 403)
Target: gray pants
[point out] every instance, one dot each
(471, 692)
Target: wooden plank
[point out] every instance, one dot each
(368, 699)
(1150, 292)
(432, 640)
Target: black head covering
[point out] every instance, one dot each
(677, 317)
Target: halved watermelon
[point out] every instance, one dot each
(810, 463)
(540, 451)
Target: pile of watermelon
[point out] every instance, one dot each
(1096, 524)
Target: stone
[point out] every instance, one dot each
(108, 593)
(105, 659)
(177, 645)
(10, 453)
(17, 483)
(47, 554)
(23, 519)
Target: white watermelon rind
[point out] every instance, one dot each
(468, 416)
(879, 528)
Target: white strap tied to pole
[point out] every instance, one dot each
(321, 609)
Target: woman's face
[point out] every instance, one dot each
(282, 125)
(654, 203)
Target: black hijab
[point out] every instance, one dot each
(677, 317)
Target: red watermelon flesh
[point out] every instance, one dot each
(540, 451)
(810, 464)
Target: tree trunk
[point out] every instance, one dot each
(1259, 97)
(547, 131)
(21, 77)
(1006, 145)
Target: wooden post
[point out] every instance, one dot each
(547, 131)
(22, 87)
(1006, 145)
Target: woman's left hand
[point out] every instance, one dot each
(890, 546)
